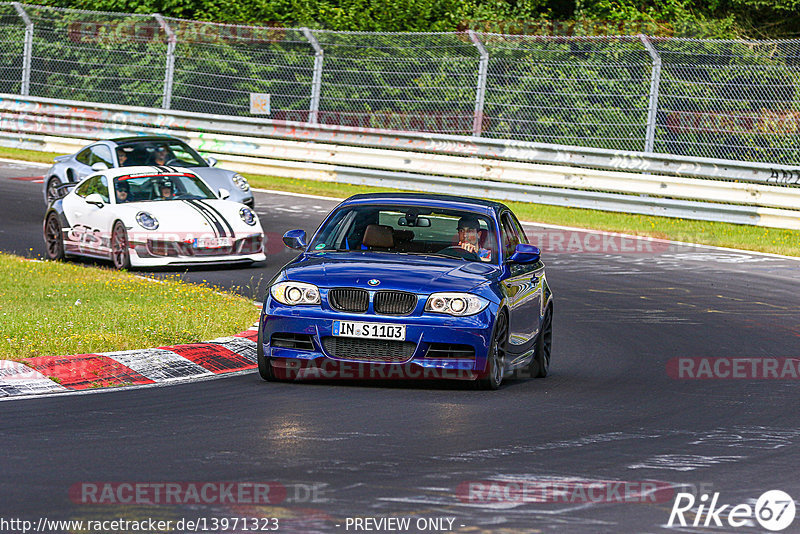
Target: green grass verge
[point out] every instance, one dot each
(774, 240)
(28, 155)
(53, 308)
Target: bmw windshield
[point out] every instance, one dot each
(409, 230)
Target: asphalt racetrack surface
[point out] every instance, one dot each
(578, 451)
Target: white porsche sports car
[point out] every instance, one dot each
(151, 216)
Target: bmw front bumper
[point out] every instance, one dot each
(436, 346)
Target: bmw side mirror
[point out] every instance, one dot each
(524, 253)
(295, 239)
(224, 193)
(99, 166)
(96, 200)
(212, 162)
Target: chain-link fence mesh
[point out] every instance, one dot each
(723, 99)
(404, 81)
(217, 66)
(98, 57)
(12, 39)
(570, 91)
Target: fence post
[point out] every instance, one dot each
(655, 85)
(480, 94)
(316, 80)
(27, 51)
(169, 74)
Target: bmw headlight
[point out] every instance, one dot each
(248, 216)
(146, 221)
(295, 293)
(458, 304)
(241, 182)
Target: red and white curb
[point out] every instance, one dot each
(58, 374)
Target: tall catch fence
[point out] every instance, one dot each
(716, 99)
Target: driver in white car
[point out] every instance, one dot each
(165, 190)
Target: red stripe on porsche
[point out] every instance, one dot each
(84, 371)
(212, 357)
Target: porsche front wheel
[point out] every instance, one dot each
(54, 237)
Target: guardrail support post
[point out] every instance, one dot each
(316, 80)
(27, 51)
(169, 74)
(480, 94)
(655, 84)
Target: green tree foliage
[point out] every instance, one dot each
(712, 18)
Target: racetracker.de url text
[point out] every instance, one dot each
(201, 524)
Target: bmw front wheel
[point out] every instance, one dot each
(496, 359)
(540, 364)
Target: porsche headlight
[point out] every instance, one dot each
(240, 182)
(458, 304)
(295, 293)
(248, 216)
(146, 221)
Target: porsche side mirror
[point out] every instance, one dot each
(212, 162)
(224, 193)
(99, 166)
(95, 199)
(524, 253)
(295, 239)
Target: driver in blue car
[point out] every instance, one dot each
(468, 237)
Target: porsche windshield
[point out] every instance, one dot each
(160, 188)
(410, 230)
(169, 152)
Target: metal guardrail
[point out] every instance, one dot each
(654, 184)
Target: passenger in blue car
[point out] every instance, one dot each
(469, 229)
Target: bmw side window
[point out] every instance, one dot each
(101, 154)
(84, 156)
(510, 237)
(520, 231)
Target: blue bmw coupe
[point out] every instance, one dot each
(405, 285)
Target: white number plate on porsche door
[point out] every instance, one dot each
(370, 330)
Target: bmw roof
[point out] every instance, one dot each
(428, 199)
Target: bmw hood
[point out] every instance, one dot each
(211, 218)
(368, 270)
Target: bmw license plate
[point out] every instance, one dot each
(369, 330)
(211, 242)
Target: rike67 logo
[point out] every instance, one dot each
(774, 511)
